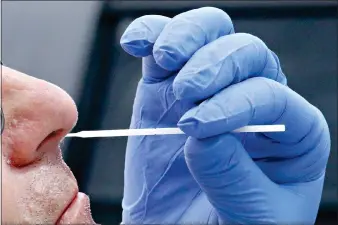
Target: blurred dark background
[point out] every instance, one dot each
(75, 45)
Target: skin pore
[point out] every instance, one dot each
(37, 185)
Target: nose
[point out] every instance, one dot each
(37, 114)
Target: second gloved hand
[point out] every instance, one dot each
(199, 74)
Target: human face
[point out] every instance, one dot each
(37, 185)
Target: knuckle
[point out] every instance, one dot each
(322, 123)
(246, 39)
(251, 38)
(320, 136)
(318, 154)
(136, 24)
(139, 19)
(144, 20)
(216, 12)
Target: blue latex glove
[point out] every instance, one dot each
(200, 75)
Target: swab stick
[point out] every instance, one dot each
(167, 131)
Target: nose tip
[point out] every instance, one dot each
(37, 114)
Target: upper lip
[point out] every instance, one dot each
(74, 191)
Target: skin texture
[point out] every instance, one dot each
(37, 185)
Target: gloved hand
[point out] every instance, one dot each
(200, 75)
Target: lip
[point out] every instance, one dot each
(66, 208)
(77, 212)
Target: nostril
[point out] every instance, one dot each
(22, 156)
(50, 136)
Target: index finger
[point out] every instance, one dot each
(228, 60)
(256, 101)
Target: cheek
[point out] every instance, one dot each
(24, 127)
(9, 196)
(20, 142)
(36, 194)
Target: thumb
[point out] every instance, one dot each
(233, 183)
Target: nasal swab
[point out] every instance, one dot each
(166, 131)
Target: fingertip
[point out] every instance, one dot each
(280, 77)
(167, 58)
(140, 36)
(136, 48)
(183, 87)
(190, 125)
(135, 41)
(195, 123)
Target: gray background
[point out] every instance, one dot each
(49, 40)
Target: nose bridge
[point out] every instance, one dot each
(36, 113)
